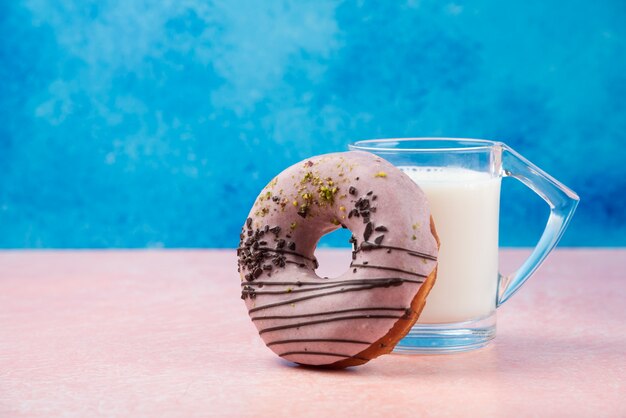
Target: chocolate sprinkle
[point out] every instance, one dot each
(368, 231)
(362, 204)
(352, 191)
(303, 211)
(279, 260)
(291, 246)
(381, 228)
(379, 239)
(366, 246)
(249, 223)
(248, 292)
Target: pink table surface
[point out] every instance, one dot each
(164, 333)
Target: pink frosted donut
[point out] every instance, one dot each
(350, 319)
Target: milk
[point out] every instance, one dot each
(465, 207)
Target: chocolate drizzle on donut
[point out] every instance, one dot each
(331, 284)
(280, 250)
(368, 246)
(299, 283)
(324, 321)
(340, 311)
(391, 282)
(321, 353)
(389, 269)
(311, 340)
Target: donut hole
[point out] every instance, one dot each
(335, 257)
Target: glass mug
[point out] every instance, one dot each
(461, 178)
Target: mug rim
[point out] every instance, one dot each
(451, 144)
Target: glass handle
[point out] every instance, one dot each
(562, 202)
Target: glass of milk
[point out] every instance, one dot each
(461, 178)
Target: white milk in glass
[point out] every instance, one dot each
(465, 206)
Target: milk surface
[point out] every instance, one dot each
(465, 206)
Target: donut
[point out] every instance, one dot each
(347, 320)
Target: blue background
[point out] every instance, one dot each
(136, 123)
